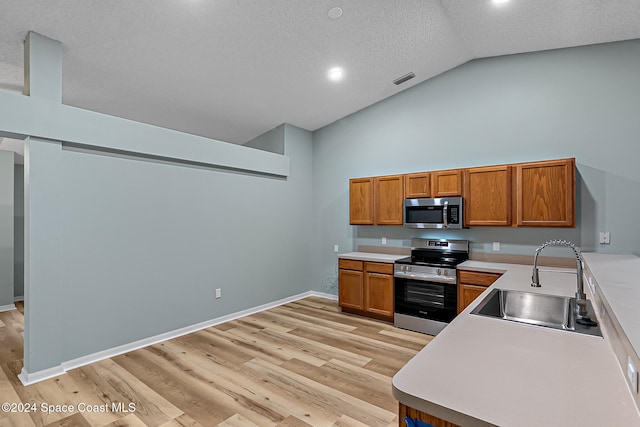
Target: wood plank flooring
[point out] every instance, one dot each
(300, 364)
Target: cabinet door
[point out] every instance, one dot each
(350, 289)
(417, 185)
(378, 291)
(546, 193)
(446, 183)
(361, 201)
(468, 293)
(487, 196)
(471, 284)
(389, 197)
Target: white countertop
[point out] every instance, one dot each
(619, 280)
(484, 371)
(371, 256)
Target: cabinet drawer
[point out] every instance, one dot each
(378, 267)
(350, 264)
(476, 278)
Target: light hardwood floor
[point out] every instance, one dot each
(300, 364)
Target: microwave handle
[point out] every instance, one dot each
(445, 214)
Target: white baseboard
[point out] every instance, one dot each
(31, 378)
(28, 379)
(19, 298)
(7, 307)
(323, 295)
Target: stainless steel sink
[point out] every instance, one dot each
(535, 309)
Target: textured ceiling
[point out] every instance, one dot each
(234, 69)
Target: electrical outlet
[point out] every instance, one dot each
(335, 248)
(218, 293)
(496, 246)
(384, 240)
(605, 238)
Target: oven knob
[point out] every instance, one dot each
(445, 272)
(439, 272)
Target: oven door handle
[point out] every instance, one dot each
(421, 278)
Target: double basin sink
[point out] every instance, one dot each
(536, 309)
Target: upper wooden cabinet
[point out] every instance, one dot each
(376, 201)
(417, 185)
(546, 193)
(533, 194)
(388, 199)
(487, 195)
(361, 201)
(446, 183)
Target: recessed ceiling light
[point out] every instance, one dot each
(335, 12)
(336, 74)
(499, 1)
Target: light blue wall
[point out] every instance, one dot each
(6, 228)
(18, 232)
(579, 102)
(142, 245)
(272, 141)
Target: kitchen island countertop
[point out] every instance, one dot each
(483, 371)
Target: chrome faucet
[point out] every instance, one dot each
(581, 298)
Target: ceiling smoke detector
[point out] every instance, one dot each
(335, 12)
(403, 79)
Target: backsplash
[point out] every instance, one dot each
(512, 241)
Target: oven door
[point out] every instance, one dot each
(426, 299)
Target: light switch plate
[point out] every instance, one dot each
(335, 248)
(605, 238)
(496, 246)
(384, 240)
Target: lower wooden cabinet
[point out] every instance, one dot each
(366, 288)
(471, 284)
(407, 411)
(468, 293)
(350, 291)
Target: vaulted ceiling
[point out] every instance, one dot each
(234, 69)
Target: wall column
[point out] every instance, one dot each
(6, 230)
(43, 67)
(42, 199)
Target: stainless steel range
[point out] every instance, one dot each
(426, 288)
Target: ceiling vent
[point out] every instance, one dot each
(403, 79)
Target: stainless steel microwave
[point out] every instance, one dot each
(443, 212)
